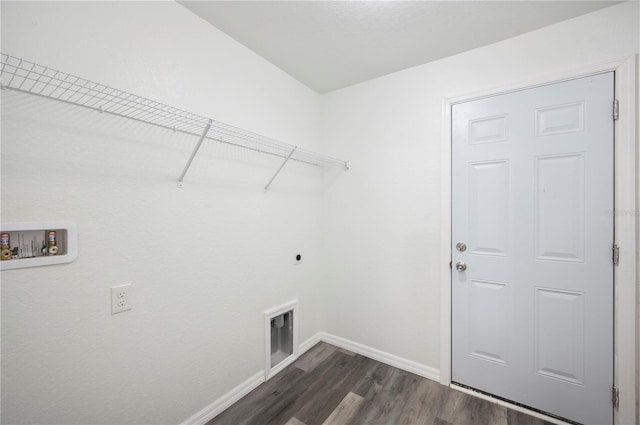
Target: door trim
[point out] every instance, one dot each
(625, 222)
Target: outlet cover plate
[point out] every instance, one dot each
(120, 298)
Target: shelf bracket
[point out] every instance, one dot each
(193, 154)
(280, 169)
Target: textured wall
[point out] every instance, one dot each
(205, 261)
(383, 239)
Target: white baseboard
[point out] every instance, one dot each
(219, 406)
(381, 356)
(279, 367)
(310, 343)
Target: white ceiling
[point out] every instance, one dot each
(328, 45)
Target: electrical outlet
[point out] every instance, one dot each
(120, 298)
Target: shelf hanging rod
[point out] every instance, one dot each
(193, 154)
(280, 169)
(30, 77)
(185, 130)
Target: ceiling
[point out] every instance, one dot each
(328, 45)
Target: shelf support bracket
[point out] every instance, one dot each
(193, 154)
(280, 169)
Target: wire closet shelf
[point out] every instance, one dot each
(29, 77)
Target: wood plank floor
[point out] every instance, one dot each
(331, 386)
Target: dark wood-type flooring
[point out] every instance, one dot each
(331, 386)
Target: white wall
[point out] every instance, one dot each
(383, 219)
(372, 275)
(205, 261)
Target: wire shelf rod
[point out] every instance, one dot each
(193, 154)
(308, 162)
(312, 160)
(44, 85)
(111, 113)
(83, 92)
(280, 169)
(29, 77)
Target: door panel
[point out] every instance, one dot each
(560, 119)
(557, 315)
(532, 314)
(559, 207)
(487, 234)
(488, 337)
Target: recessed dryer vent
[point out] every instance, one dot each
(281, 340)
(281, 337)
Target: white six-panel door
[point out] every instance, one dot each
(532, 201)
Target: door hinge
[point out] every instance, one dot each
(616, 254)
(615, 397)
(616, 110)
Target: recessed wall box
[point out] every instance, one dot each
(281, 339)
(33, 244)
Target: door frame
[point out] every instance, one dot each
(625, 222)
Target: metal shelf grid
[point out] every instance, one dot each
(29, 77)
